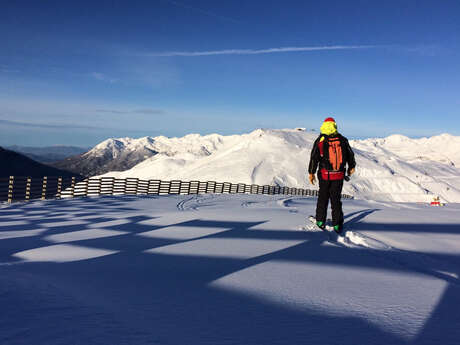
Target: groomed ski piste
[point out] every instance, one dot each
(227, 269)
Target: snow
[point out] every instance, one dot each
(379, 298)
(182, 232)
(227, 269)
(83, 235)
(396, 168)
(22, 233)
(61, 253)
(225, 248)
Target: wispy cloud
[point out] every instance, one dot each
(103, 77)
(44, 125)
(426, 49)
(262, 51)
(135, 111)
(7, 69)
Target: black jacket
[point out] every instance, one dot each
(348, 157)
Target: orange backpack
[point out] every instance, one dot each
(335, 158)
(335, 153)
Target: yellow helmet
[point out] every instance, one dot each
(328, 127)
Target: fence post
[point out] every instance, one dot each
(45, 181)
(10, 189)
(86, 187)
(28, 183)
(137, 187)
(59, 187)
(124, 186)
(72, 187)
(112, 185)
(99, 186)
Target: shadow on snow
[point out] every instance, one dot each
(134, 297)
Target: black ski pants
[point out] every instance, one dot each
(330, 190)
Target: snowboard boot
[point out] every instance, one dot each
(338, 228)
(321, 225)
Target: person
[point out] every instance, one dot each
(332, 156)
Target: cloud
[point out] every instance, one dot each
(149, 111)
(426, 50)
(7, 69)
(103, 77)
(261, 51)
(45, 125)
(134, 69)
(135, 111)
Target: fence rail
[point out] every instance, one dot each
(27, 188)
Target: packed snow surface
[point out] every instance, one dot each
(395, 168)
(227, 269)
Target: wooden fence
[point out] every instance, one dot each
(27, 188)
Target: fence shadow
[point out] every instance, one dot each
(152, 288)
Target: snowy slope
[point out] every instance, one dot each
(442, 148)
(416, 165)
(227, 269)
(110, 155)
(396, 168)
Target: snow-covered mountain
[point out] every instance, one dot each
(396, 168)
(444, 148)
(261, 157)
(427, 165)
(110, 155)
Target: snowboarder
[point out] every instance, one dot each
(332, 152)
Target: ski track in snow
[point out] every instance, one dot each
(227, 269)
(348, 239)
(415, 261)
(354, 239)
(195, 202)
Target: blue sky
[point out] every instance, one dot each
(78, 72)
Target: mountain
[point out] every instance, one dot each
(396, 168)
(48, 154)
(110, 155)
(16, 164)
(442, 148)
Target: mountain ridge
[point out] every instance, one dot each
(20, 165)
(385, 170)
(395, 168)
(48, 154)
